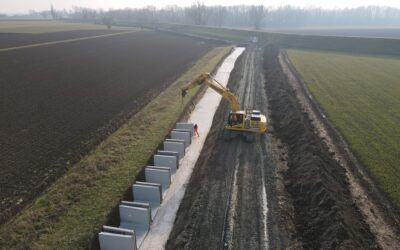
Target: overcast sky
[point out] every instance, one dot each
(21, 6)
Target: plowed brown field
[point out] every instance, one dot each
(8, 40)
(58, 101)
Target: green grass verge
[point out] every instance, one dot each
(361, 96)
(46, 26)
(71, 212)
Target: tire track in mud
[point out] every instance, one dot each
(225, 204)
(245, 231)
(248, 231)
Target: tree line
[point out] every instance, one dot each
(253, 16)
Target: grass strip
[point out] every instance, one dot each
(71, 212)
(361, 96)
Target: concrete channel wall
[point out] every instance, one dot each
(136, 216)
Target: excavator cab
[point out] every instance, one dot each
(235, 119)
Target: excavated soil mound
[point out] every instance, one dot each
(325, 215)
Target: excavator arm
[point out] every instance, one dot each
(206, 79)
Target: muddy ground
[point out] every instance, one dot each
(8, 40)
(310, 203)
(58, 101)
(231, 200)
(325, 215)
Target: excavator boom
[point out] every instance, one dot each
(206, 78)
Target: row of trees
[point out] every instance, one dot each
(233, 16)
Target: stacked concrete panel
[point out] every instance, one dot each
(185, 126)
(178, 141)
(147, 192)
(160, 175)
(136, 216)
(117, 238)
(182, 135)
(176, 147)
(168, 161)
(164, 152)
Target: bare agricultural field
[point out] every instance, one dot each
(21, 33)
(58, 101)
(361, 96)
(12, 40)
(45, 26)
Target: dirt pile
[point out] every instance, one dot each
(325, 215)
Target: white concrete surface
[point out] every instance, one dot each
(202, 115)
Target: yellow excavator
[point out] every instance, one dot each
(248, 123)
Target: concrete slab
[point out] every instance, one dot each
(109, 241)
(202, 115)
(173, 153)
(153, 209)
(177, 140)
(147, 193)
(166, 161)
(186, 125)
(150, 193)
(160, 176)
(136, 204)
(175, 146)
(117, 238)
(158, 167)
(137, 219)
(182, 136)
(183, 130)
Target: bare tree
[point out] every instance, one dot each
(107, 21)
(256, 15)
(234, 16)
(197, 12)
(147, 17)
(53, 12)
(219, 15)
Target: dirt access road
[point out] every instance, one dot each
(287, 190)
(230, 202)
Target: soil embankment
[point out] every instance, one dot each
(381, 215)
(325, 214)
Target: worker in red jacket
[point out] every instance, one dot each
(196, 130)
